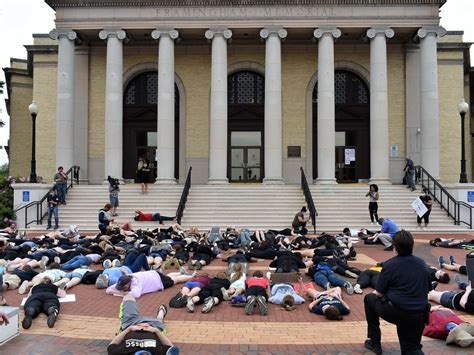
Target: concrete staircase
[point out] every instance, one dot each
(254, 206)
(342, 206)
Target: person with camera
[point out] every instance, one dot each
(114, 189)
(401, 298)
(60, 179)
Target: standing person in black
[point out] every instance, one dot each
(409, 170)
(428, 202)
(400, 298)
(53, 203)
(143, 174)
(373, 195)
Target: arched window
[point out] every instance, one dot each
(245, 88)
(143, 90)
(349, 89)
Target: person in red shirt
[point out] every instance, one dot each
(256, 293)
(141, 216)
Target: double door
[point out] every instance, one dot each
(246, 165)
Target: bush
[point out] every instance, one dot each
(6, 197)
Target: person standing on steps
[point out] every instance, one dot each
(53, 203)
(60, 179)
(428, 202)
(143, 173)
(373, 196)
(409, 170)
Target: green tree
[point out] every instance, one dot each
(6, 196)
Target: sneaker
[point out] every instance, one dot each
(249, 306)
(26, 322)
(198, 266)
(262, 305)
(62, 285)
(208, 304)
(357, 289)
(183, 271)
(451, 260)
(434, 284)
(371, 223)
(49, 227)
(225, 295)
(424, 228)
(375, 347)
(418, 228)
(116, 263)
(441, 261)
(328, 286)
(23, 287)
(44, 260)
(190, 305)
(57, 260)
(190, 265)
(351, 274)
(349, 288)
(460, 282)
(107, 264)
(52, 316)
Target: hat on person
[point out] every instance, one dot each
(102, 281)
(122, 282)
(462, 335)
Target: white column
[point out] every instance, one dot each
(65, 97)
(429, 98)
(273, 109)
(113, 127)
(218, 115)
(326, 105)
(165, 145)
(379, 140)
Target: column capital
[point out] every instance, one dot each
(106, 33)
(438, 31)
(321, 31)
(213, 32)
(160, 32)
(61, 32)
(268, 31)
(385, 31)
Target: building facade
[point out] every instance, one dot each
(242, 91)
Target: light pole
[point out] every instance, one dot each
(463, 107)
(33, 108)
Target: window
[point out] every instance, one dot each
(246, 88)
(349, 89)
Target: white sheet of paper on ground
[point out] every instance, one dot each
(68, 298)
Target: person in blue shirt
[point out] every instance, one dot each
(388, 231)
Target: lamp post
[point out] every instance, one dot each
(33, 108)
(463, 107)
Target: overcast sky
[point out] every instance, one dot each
(19, 19)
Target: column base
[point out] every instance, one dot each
(217, 181)
(273, 181)
(325, 181)
(165, 181)
(380, 181)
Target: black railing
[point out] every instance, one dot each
(459, 211)
(309, 199)
(184, 197)
(40, 207)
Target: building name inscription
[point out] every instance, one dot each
(252, 12)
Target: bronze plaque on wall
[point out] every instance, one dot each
(294, 151)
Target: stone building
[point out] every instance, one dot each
(242, 91)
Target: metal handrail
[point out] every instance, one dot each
(443, 197)
(73, 174)
(309, 198)
(184, 197)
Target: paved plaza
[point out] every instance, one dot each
(87, 325)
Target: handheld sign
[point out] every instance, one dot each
(419, 207)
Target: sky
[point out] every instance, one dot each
(19, 19)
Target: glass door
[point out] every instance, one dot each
(146, 148)
(246, 157)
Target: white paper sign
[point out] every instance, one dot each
(349, 155)
(419, 207)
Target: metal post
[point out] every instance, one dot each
(463, 176)
(33, 151)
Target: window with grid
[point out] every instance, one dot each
(245, 88)
(349, 89)
(143, 90)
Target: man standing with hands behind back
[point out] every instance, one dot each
(60, 179)
(400, 298)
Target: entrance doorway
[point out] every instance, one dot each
(352, 148)
(140, 124)
(245, 127)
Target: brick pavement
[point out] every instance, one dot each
(87, 325)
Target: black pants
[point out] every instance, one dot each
(256, 291)
(373, 208)
(41, 302)
(409, 324)
(425, 217)
(368, 278)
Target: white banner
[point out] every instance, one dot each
(419, 207)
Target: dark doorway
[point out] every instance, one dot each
(245, 138)
(140, 107)
(352, 148)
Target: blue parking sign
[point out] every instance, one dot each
(470, 196)
(26, 196)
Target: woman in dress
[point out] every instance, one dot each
(143, 174)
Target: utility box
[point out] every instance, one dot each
(10, 331)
